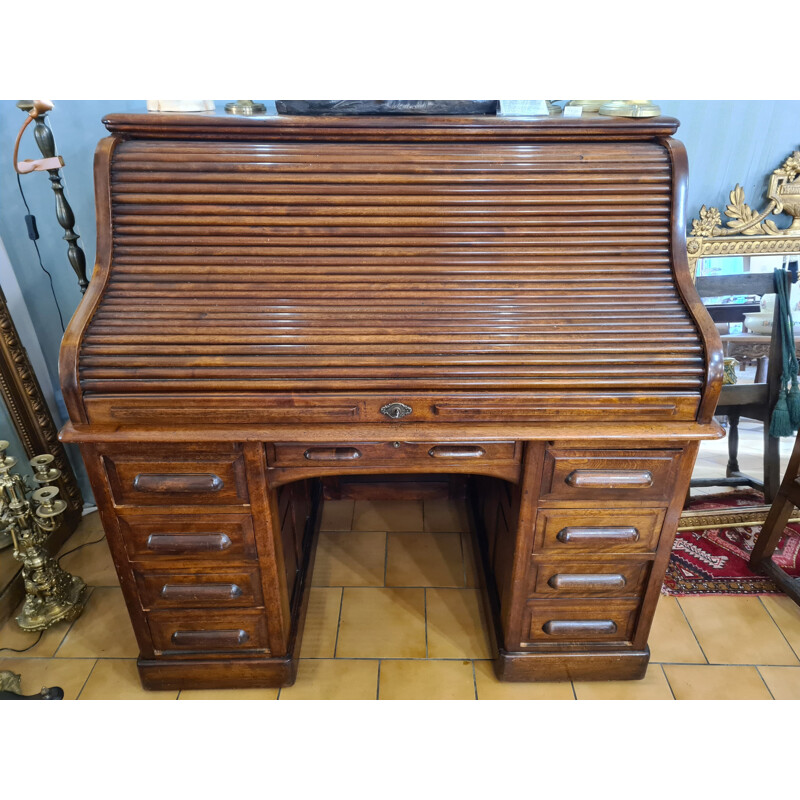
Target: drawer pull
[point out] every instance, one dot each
(597, 535)
(179, 543)
(456, 451)
(579, 627)
(200, 591)
(332, 454)
(610, 479)
(174, 482)
(209, 639)
(587, 582)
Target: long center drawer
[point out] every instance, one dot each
(358, 453)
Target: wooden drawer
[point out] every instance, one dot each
(366, 453)
(180, 477)
(609, 475)
(208, 631)
(181, 538)
(235, 589)
(575, 621)
(587, 530)
(596, 578)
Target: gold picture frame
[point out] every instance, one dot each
(744, 232)
(38, 434)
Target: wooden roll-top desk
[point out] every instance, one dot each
(282, 301)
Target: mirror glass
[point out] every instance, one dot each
(736, 265)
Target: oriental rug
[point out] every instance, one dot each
(712, 558)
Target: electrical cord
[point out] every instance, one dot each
(36, 245)
(41, 633)
(75, 549)
(24, 649)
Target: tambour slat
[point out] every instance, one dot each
(304, 267)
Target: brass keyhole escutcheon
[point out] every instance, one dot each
(396, 410)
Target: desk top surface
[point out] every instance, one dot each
(218, 125)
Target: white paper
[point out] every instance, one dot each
(573, 111)
(524, 108)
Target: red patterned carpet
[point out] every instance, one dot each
(715, 561)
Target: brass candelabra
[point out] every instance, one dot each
(51, 593)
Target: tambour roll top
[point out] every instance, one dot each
(473, 269)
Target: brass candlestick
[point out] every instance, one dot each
(51, 593)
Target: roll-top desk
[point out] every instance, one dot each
(281, 300)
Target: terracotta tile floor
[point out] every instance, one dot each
(394, 614)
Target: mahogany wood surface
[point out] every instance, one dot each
(283, 301)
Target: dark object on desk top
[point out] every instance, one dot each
(323, 108)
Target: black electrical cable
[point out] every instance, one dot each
(36, 245)
(12, 650)
(85, 544)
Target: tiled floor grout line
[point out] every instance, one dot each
(765, 683)
(463, 558)
(666, 678)
(425, 611)
(83, 686)
(385, 556)
(378, 687)
(338, 621)
(678, 601)
(775, 623)
(474, 679)
(83, 611)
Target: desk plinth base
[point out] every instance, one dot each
(625, 665)
(252, 673)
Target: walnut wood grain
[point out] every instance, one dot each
(169, 538)
(599, 576)
(579, 620)
(598, 530)
(193, 586)
(209, 630)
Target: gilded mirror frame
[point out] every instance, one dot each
(37, 431)
(744, 232)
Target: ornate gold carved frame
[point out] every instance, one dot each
(746, 232)
(37, 431)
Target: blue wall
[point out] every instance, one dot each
(728, 142)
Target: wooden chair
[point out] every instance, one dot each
(767, 540)
(749, 400)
